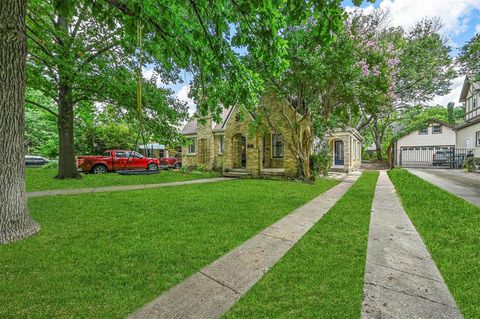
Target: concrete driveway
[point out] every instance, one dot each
(455, 181)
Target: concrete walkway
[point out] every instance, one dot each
(213, 290)
(458, 182)
(123, 187)
(401, 279)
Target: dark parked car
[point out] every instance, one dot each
(451, 157)
(35, 160)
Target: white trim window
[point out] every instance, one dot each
(192, 147)
(423, 131)
(477, 138)
(221, 144)
(436, 129)
(277, 146)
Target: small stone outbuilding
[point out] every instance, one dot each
(345, 147)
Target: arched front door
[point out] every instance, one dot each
(239, 143)
(338, 153)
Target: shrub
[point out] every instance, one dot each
(320, 162)
(472, 164)
(51, 164)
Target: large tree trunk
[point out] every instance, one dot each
(67, 167)
(378, 146)
(15, 220)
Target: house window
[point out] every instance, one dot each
(192, 146)
(477, 138)
(277, 146)
(436, 129)
(221, 145)
(474, 100)
(423, 131)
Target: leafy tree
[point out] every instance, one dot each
(451, 112)
(82, 51)
(317, 80)
(41, 134)
(469, 58)
(417, 117)
(99, 130)
(15, 220)
(424, 69)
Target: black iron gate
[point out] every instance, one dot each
(433, 156)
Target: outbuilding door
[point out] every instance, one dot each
(338, 153)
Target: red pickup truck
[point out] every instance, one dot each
(171, 162)
(115, 160)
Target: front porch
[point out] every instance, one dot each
(261, 155)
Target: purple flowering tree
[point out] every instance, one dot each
(400, 69)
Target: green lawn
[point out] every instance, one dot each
(450, 227)
(105, 255)
(39, 179)
(322, 275)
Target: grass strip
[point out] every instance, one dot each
(322, 275)
(39, 179)
(106, 255)
(450, 227)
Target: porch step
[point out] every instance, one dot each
(272, 173)
(337, 169)
(236, 174)
(238, 170)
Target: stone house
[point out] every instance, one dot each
(231, 147)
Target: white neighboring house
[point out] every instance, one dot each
(468, 133)
(436, 136)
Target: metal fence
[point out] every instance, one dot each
(438, 157)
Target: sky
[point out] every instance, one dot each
(460, 18)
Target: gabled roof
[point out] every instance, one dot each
(441, 122)
(192, 126)
(466, 88)
(404, 133)
(472, 121)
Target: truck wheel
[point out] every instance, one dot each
(177, 165)
(152, 167)
(99, 169)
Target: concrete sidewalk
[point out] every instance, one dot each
(123, 187)
(460, 183)
(213, 290)
(401, 279)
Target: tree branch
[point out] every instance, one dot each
(99, 52)
(42, 107)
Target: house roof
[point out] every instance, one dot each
(467, 123)
(401, 134)
(441, 122)
(192, 126)
(346, 130)
(466, 87)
